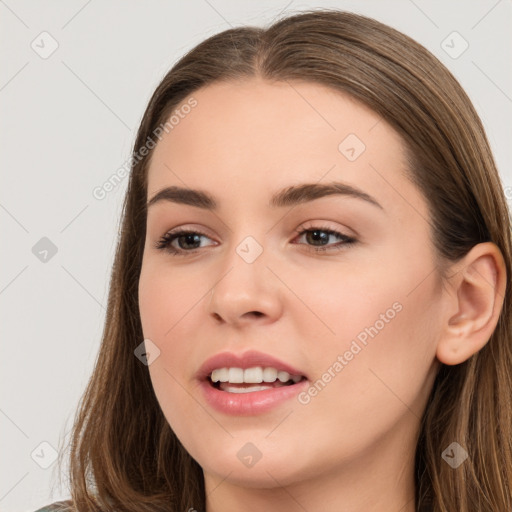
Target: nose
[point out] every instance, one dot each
(246, 292)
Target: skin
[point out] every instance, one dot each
(351, 447)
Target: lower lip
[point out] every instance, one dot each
(248, 404)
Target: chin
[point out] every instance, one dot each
(268, 472)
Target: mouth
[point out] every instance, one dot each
(248, 383)
(250, 398)
(251, 380)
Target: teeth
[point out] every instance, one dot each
(235, 375)
(254, 375)
(269, 375)
(220, 375)
(283, 376)
(252, 389)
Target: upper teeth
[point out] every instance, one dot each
(251, 375)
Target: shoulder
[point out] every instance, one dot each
(57, 506)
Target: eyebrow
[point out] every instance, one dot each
(289, 196)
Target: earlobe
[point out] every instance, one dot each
(478, 286)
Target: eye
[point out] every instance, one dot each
(184, 238)
(319, 237)
(189, 241)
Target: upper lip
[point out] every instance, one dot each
(245, 360)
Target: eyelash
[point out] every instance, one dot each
(165, 242)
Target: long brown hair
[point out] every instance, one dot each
(124, 455)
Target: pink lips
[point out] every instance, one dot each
(255, 402)
(246, 404)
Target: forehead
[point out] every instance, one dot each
(253, 137)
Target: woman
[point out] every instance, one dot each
(309, 305)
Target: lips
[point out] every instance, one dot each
(240, 399)
(246, 360)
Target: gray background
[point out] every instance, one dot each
(68, 121)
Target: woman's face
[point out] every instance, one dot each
(355, 321)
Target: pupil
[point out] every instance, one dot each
(190, 237)
(319, 235)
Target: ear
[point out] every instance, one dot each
(477, 290)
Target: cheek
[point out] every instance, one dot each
(168, 309)
(383, 347)
(383, 363)
(344, 302)
(166, 298)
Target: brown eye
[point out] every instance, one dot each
(319, 237)
(184, 239)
